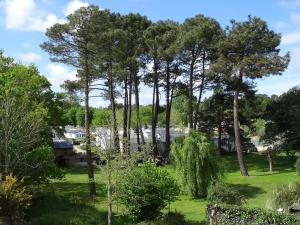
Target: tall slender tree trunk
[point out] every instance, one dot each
(92, 186)
(137, 105)
(129, 110)
(270, 160)
(109, 193)
(116, 139)
(220, 119)
(155, 108)
(125, 118)
(168, 111)
(200, 92)
(191, 86)
(238, 146)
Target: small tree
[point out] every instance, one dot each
(197, 162)
(14, 200)
(146, 190)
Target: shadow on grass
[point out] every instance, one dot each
(71, 190)
(247, 190)
(49, 208)
(258, 162)
(172, 218)
(78, 170)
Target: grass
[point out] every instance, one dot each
(64, 202)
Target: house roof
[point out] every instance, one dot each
(62, 144)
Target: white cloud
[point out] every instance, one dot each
(295, 17)
(279, 25)
(290, 3)
(25, 15)
(291, 38)
(26, 45)
(30, 57)
(74, 5)
(294, 67)
(57, 74)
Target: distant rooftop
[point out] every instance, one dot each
(61, 144)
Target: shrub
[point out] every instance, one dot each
(14, 199)
(197, 163)
(220, 193)
(146, 190)
(236, 215)
(285, 195)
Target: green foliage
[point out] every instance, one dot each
(71, 116)
(102, 118)
(284, 196)
(197, 163)
(283, 116)
(146, 190)
(44, 169)
(14, 199)
(236, 215)
(221, 193)
(29, 110)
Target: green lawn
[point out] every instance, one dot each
(64, 202)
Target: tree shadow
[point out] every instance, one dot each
(172, 218)
(78, 170)
(258, 162)
(49, 208)
(71, 189)
(247, 190)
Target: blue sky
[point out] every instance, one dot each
(23, 22)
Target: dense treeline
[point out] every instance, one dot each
(115, 55)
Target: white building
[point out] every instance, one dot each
(104, 136)
(72, 132)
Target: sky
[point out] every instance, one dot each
(23, 24)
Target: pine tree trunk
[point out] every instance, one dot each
(238, 146)
(137, 105)
(92, 186)
(270, 162)
(116, 139)
(200, 93)
(220, 119)
(155, 107)
(168, 111)
(191, 86)
(220, 138)
(129, 110)
(125, 118)
(109, 194)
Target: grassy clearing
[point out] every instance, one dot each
(67, 201)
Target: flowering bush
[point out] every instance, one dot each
(14, 199)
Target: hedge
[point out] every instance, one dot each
(235, 215)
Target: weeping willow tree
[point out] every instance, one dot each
(197, 163)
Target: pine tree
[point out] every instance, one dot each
(249, 51)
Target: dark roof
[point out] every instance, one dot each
(62, 144)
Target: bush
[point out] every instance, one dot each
(236, 215)
(146, 190)
(220, 193)
(14, 199)
(197, 163)
(285, 195)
